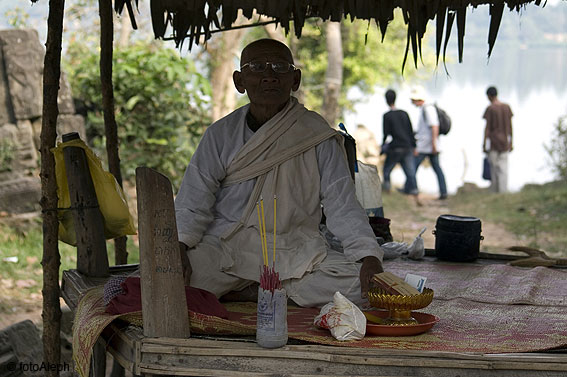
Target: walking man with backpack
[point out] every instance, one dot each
(397, 124)
(427, 137)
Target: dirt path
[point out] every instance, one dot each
(407, 219)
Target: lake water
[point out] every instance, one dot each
(532, 81)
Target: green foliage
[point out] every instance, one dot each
(161, 105)
(557, 149)
(17, 17)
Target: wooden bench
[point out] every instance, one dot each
(165, 347)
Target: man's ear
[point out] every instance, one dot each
(237, 79)
(296, 79)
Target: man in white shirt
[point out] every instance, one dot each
(273, 147)
(427, 137)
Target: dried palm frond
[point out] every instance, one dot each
(193, 19)
(119, 6)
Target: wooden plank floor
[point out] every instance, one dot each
(226, 356)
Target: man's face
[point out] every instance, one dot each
(268, 87)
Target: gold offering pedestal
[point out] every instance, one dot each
(399, 306)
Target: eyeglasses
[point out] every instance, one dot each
(277, 67)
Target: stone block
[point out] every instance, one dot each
(36, 128)
(8, 135)
(15, 36)
(20, 195)
(23, 61)
(20, 186)
(20, 343)
(18, 153)
(65, 123)
(26, 153)
(71, 123)
(6, 113)
(64, 97)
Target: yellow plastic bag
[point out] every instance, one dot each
(111, 199)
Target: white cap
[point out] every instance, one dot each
(418, 93)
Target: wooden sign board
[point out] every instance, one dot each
(164, 305)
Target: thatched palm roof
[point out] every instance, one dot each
(194, 20)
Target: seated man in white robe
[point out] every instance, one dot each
(271, 147)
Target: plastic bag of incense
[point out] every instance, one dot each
(271, 320)
(271, 323)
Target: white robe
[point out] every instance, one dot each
(215, 207)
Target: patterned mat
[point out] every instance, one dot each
(475, 315)
(494, 283)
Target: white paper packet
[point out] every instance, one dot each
(416, 281)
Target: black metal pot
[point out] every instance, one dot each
(457, 238)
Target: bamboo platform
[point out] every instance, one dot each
(164, 348)
(227, 356)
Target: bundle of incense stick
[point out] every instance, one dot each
(269, 278)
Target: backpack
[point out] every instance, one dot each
(444, 120)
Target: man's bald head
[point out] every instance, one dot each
(265, 46)
(267, 75)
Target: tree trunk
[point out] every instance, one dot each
(275, 32)
(110, 127)
(222, 50)
(125, 30)
(334, 75)
(51, 260)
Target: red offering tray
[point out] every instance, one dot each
(425, 322)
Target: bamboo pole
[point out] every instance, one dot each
(51, 260)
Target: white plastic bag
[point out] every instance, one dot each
(416, 250)
(368, 187)
(343, 318)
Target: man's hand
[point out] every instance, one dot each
(187, 270)
(370, 267)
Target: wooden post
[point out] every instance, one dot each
(110, 127)
(164, 305)
(98, 359)
(92, 259)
